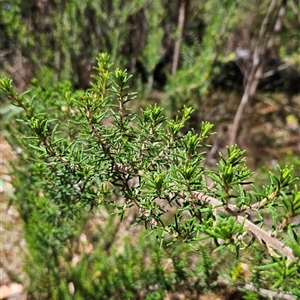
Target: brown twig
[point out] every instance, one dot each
(259, 60)
(270, 294)
(261, 235)
(180, 26)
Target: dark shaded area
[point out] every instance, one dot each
(159, 74)
(277, 76)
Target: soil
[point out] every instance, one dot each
(12, 242)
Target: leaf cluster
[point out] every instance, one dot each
(90, 149)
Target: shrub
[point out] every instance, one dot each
(87, 151)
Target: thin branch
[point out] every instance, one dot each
(197, 65)
(265, 292)
(268, 293)
(264, 201)
(181, 19)
(259, 61)
(261, 235)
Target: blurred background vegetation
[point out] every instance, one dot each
(52, 41)
(47, 42)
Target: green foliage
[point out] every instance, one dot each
(192, 81)
(67, 260)
(10, 16)
(90, 151)
(62, 38)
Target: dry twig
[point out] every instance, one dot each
(259, 60)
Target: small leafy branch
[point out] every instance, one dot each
(92, 149)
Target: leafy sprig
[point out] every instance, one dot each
(98, 151)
